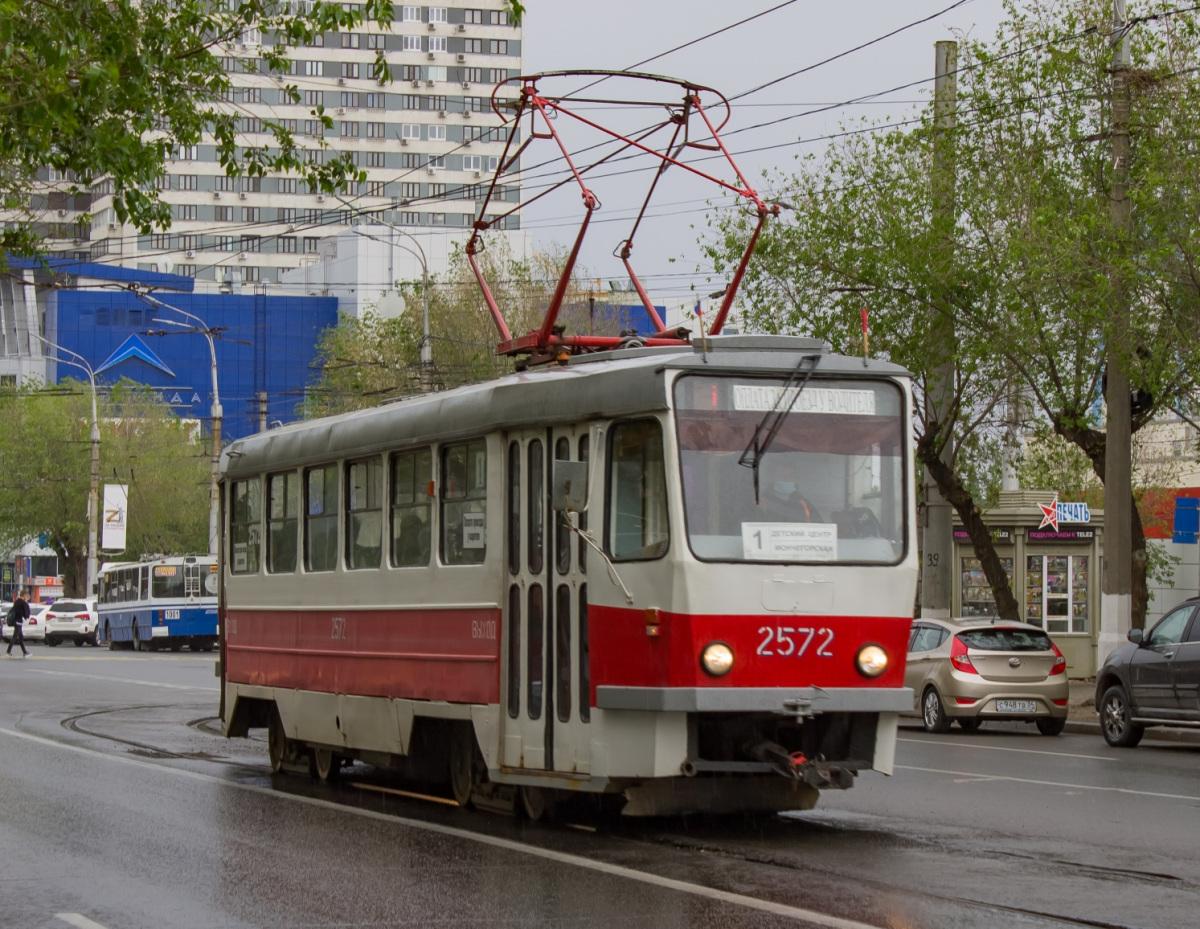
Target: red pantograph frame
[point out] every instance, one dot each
(545, 343)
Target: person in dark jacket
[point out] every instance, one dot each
(20, 613)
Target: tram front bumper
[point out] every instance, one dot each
(791, 701)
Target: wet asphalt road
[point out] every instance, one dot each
(120, 808)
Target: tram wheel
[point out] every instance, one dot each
(138, 644)
(277, 741)
(327, 764)
(176, 646)
(537, 803)
(463, 776)
(112, 646)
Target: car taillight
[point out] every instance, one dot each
(81, 615)
(958, 656)
(1060, 663)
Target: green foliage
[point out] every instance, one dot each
(1050, 462)
(366, 361)
(45, 471)
(111, 88)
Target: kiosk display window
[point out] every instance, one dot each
(977, 597)
(1056, 592)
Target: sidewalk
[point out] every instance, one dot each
(1082, 716)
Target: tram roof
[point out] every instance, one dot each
(597, 386)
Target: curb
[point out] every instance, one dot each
(1157, 733)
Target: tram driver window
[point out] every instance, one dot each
(321, 519)
(411, 508)
(364, 513)
(244, 526)
(283, 522)
(464, 503)
(637, 519)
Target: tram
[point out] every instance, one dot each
(673, 571)
(160, 603)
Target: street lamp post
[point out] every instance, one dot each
(214, 493)
(93, 549)
(426, 378)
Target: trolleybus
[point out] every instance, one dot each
(680, 575)
(165, 602)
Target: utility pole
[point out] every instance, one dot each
(1116, 602)
(262, 411)
(937, 555)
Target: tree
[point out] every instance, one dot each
(45, 472)
(368, 360)
(111, 88)
(1029, 283)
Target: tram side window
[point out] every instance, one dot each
(411, 508)
(283, 522)
(166, 582)
(321, 519)
(464, 503)
(637, 520)
(143, 575)
(244, 529)
(364, 513)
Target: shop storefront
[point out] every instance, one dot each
(1051, 553)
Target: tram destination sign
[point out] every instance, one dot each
(762, 398)
(789, 541)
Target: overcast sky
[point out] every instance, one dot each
(617, 34)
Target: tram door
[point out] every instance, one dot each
(545, 693)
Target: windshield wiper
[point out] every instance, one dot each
(773, 420)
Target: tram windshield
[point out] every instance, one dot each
(830, 481)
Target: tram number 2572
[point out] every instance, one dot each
(785, 646)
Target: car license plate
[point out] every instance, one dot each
(1016, 706)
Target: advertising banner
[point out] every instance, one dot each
(116, 499)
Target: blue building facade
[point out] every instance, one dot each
(264, 344)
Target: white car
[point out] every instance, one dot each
(71, 621)
(35, 626)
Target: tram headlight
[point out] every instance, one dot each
(871, 660)
(717, 659)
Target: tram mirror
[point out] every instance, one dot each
(570, 485)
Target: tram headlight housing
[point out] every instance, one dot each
(717, 659)
(871, 660)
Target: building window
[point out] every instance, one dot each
(437, 43)
(410, 14)
(436, 72)
(473, 75)
(437, 191)
(473, 46)
(250, 124)
(376, 130)
(475, 104)
(224, 214)
(411, 131)
(435, 102)
(286, 214)
(320, 518)
(464, 503)
(251, 95)
(287, 185)
(376, 188)
(160, 242)
(190, 243)
(310, 245)
(187, 152)
(437, 219)
(410, 72)
(225, 183)
(364, 513)
(411, 43)
(410, 191)
(437, 161)
(185, 270)
(314, 98)
(283, 520)
(410, 102)
(251, 214)
(350, 99)
(376, 101)
(498, 46)
(373, 159)
(350, 69)
(437, 133)
(251, 243)
(186, 211)
(350, 130)
(251, 274)
(314, 68)
(376, 42)
(314, 127)
(312, 217)
(286, 245)
(473, 17)
(351, 40)
(410, 219)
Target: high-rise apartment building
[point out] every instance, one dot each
(428, 142)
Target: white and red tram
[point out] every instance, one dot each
(708, 610)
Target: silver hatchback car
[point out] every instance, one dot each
(972, 671)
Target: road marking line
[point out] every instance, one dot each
(1000, 748)
(1027, 780)
(126, 680)
(79, 922)
(612, 870)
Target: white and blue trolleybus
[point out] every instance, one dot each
(167, 602)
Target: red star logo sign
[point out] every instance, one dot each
(1049, 514)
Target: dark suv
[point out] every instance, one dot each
(1154, 680)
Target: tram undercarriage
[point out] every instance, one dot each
(733, 764)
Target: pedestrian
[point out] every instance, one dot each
(17, 616)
